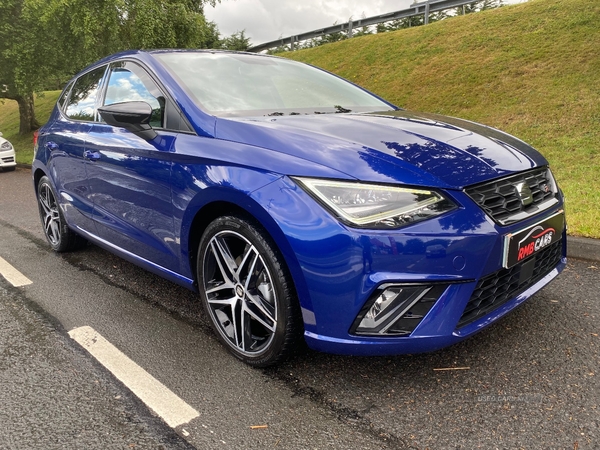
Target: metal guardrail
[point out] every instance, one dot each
(416, 9)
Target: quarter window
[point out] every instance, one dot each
(64, 96)
(82, 103)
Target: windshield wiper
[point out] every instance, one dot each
(277, 113)
(341, 109)
(338, 109)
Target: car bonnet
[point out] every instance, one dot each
(390, 147)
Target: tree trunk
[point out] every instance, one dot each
(28, 122)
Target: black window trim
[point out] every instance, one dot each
(65, 95)
(100, 88)
(171, 107)
(111, 70)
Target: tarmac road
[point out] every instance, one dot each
(530, 381)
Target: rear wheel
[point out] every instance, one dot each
(247, 291)
(58, 234)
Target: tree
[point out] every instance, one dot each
(361, 30)
(437, 16)
(44, 42)
(104, 27)
(480, 5)
(18, 49)
(400, 24)
(237, 41)
(331, 37)
(279, 49)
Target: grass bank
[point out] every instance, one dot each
(9, 123)
(531, 69)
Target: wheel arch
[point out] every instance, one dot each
(203, 217)
(243, 205)
(218, 208)
(37, 176)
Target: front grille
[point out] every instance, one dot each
(499, 287)
(8, 160)
(501, 200)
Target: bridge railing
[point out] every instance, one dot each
(416, 9)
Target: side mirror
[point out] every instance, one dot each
(133, 116)
(0, 133)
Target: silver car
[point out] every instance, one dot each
(7, 155)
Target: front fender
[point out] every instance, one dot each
(260, 195)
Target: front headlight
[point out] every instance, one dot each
(376, 206)
(6, 146)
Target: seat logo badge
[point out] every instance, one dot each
(525, 193)
(239, 291)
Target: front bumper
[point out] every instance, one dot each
(7, 159)
(338, 270)
(434, 333)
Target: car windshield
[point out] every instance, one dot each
(230, 84)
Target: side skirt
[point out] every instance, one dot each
(141, 262)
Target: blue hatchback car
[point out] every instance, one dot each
(296, 203)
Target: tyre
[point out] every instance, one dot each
(247, 291)
(58, 234)
(9, 169)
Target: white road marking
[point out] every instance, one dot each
(12, 275)
(152, 392)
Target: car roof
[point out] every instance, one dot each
(139, 54)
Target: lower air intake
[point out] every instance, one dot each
(499, 287)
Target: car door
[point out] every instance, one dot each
(64, 143)
(130, 177)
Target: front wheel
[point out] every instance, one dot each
(58, 234)
(247, 291)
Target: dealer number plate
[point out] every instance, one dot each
(523, 244)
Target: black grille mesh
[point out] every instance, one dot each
(501, 200)
(499, 287)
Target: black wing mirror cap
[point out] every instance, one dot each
(133, 116)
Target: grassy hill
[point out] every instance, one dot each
(9, 123)
(531, 69)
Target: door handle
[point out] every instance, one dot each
(50, 145)
(92, 156)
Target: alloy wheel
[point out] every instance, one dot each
(50, 214)
(240, 293)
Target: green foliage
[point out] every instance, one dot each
(400, 24)
(282, 49)
(361, 30)
(393, 25)
(18, 47)
(100, 28)
(44, 42)
(481, 5)
(331, 37)
(531, 69)
(9, 123)
(237, 41)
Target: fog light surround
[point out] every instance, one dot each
(396, 309)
